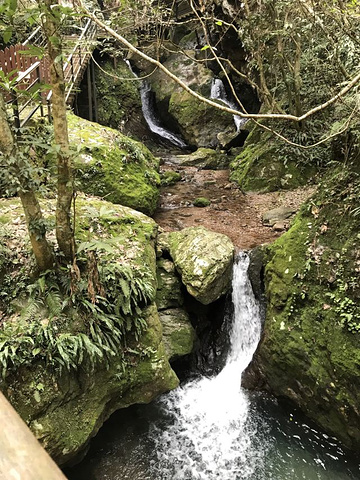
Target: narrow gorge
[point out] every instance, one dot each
(207, 323)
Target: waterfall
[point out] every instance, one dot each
(152, 121)
(218, 93)
(211, 434)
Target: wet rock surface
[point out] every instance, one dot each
(178, 333)
(203, 259)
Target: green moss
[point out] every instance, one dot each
(115, 167)
(201, 202)
(178, 333)
(118, 98)
(262, 166)
(169, 177)
(310, 352)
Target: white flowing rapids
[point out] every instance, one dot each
(212, 433)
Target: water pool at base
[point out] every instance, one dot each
(213, 429)
(287, 447)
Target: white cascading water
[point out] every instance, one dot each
(212, 432)
(218, 93)
(150, 118)
(152, 121)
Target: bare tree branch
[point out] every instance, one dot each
(258, 116)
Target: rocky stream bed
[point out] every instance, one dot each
(232, 212)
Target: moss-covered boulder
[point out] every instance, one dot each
(310, 351)
(204, 260)
(65, 411)
(74, 348)
(169, 177)
(169, 289)
(113, 166)
(266, 165)
(205, 158)
(201, 202)
(179, 335)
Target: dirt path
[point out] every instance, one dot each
(231, 212)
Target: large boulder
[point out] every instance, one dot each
(204, 260)
(178, 333)
(64, 411)
(205, 158)
(67, 365)
(113, 166)
(310, 347)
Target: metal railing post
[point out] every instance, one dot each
(38, 73)
(72, 69)
(79, 48)
(15, 107)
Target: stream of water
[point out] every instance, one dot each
(211, 428)
(218, 93)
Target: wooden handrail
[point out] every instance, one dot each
(21, 455)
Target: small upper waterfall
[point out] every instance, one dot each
(211, 433)
(218, 93)
(152, 121)
(150, 117)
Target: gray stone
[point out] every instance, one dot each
(276, 215)
(204, 260)
(169, 285)
(178, 333)
(205, 158)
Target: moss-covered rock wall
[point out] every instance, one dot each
(310, 351)
(266, 164)
(72, 353)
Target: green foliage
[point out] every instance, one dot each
(345, 307)
(72, 318)
(33, 167)
(65, 328)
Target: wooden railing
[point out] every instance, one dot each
(21, 455)
(25, 94)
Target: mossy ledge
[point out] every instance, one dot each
(310, 351)
(113, 166)
(68, 360)
(266, 165)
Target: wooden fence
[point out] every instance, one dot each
(27, 73)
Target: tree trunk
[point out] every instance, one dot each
(34, 219)
(65, 186)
